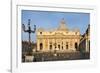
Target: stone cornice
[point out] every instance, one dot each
(58, 37)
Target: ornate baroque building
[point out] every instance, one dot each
(61, 39)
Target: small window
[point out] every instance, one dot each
(66, 43)
(40, 32)
(62, 43)
(50, 32)
(67, 32)
(75, 33)
(50, 42)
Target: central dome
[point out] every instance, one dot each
(62, 25)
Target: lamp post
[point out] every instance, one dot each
(29, 31)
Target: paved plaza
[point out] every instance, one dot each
(58, 56)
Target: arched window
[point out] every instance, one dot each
(41, 46)
(75, 33)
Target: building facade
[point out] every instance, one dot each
(85, 41)
(60, 39)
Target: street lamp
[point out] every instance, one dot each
(29, 31)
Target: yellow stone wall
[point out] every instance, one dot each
(61, 36)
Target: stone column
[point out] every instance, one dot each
(44, 49)
(87, 46)
(64, 45)
(60, 43)
(48, 44)
(53, 47)
(38, 45)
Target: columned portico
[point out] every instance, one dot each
(61, 39)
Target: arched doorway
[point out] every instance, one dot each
(41, 46)
(59, 47)
(50, 47)
(66, 46)
(76, 46)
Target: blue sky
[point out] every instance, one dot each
(50, 20)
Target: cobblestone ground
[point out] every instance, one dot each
(59, 56)
(51, 56)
